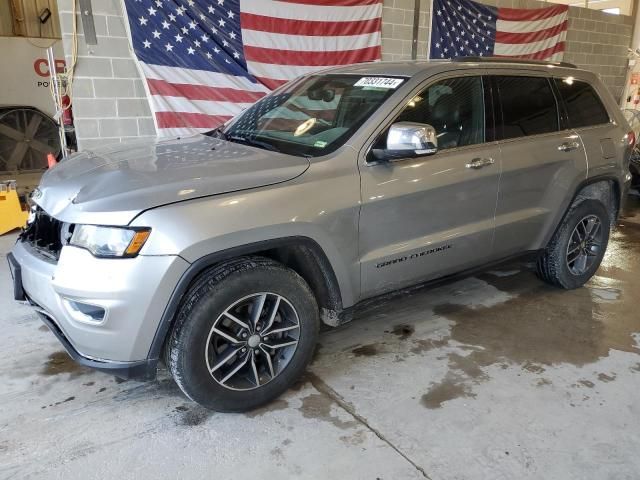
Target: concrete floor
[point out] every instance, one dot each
(496, 376)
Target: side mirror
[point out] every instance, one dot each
(408, 140)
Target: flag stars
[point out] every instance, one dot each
(165, 24)
(159, 3)
(192, 25)
(191, 51)
(236, 55)
(221, 22)
(168, 47)
(147, 44)
(152, 11)
(232, 35)
(209, 56)
(185, 30)
(211, 9)
(197, 43)
(143, 21)
(172, 17)
(156, 34)
(179, 38)
(205, 38)
(230, 14)
(180, 10)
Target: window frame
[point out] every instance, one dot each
(428, 83)
(499, 117)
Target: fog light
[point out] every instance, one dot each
(84, 312)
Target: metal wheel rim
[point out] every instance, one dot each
(585, 244)
(252, 341)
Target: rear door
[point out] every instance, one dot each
(541, 159)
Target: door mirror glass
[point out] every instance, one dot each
(408, 140)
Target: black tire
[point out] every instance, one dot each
(553, 267)
(210, 295)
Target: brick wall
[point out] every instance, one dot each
(595, 40)
(109, 100)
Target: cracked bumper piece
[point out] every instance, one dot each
(105, 312)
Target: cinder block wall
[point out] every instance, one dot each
(109, 100)
(596, 41)
(110, 103)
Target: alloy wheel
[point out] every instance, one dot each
(252, 341)
(584, 245)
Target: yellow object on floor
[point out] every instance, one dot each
(11, 214)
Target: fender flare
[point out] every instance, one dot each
(579, 188)
(198, 266)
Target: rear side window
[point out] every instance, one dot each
(583, 104)
(528, 107)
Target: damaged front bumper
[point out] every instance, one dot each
(105, 312)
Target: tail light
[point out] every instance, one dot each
(631, 138)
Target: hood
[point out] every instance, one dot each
(112, 185)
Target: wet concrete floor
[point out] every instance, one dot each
(494, 376)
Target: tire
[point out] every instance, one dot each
(554, 264)
(195, 352)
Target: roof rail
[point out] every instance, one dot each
(510, 60)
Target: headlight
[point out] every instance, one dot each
(110, 241)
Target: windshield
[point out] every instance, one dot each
(313, 117)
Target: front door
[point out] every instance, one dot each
(425, 217)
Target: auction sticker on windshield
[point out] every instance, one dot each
(380, 82)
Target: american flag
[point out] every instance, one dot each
(204, 61)
(462, 28)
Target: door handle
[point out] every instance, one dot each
(480, 162)
(568, 146)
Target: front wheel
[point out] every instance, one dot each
(244, 334)
(577, 248)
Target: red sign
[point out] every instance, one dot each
(41, 66)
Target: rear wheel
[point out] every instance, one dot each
(577, 248)
(245, 333)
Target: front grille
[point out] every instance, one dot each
(45, 234)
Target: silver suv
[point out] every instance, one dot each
(222, 253)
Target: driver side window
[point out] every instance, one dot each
(454, 108)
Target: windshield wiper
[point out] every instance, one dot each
(216, 133)
(252, 142)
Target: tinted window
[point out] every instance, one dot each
(583, 105)
(454, 107)
(528, 106)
